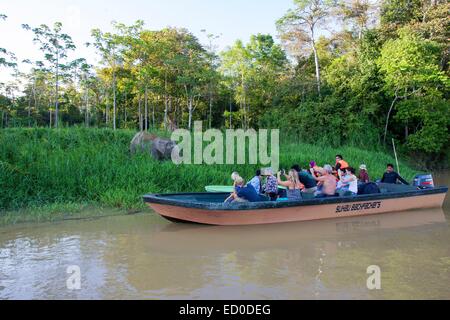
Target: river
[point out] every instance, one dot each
(145, 257)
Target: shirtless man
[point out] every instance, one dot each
(328, 182)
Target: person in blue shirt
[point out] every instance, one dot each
(256, 182)
(245, 193)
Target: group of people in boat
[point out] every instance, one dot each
(314, 182)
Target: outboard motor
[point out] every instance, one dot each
(424, 181)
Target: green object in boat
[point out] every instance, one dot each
(228, 189)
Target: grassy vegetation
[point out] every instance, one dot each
(41, 168)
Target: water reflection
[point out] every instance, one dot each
(181, 238)
(145, 257)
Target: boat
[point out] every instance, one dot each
(229, 189)
(210, 209)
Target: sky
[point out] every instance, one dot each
(231, 19)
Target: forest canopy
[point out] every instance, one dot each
(355, 72)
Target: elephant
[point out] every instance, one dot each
(159, 148)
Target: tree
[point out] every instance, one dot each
(193, 66)
(397, 13)
(410, 67)
(7, 58)
(212, 75)
(268, 67)
(110, 47)
(55, 46)
(299, 28)
(236, 65)
(358, 12)
(429, 118)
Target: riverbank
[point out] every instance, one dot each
(54, 172)
(64, 212)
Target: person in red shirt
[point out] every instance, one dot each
(363, 174)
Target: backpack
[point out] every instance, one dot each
(368, 188)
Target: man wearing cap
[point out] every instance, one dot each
(363, 175)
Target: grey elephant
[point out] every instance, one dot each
(159, 148)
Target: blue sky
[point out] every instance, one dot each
(232, 19)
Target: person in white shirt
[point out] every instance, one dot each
(349, 182)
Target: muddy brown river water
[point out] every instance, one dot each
(145, 257)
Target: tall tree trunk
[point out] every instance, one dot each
(190, 108)
(34, 96)
(29, 111)
(316, 61)
(153, 115)
(140, 115)
(114, 103)
(231, 116)
(57, 91)
(175, 116)
(165, 102)
(146, 109)
(107, 112)
(210, 106)
(243, 103)
(86, 101)
(125, 107)
(316, 58)
(389, 115)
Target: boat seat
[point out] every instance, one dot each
(389, 188)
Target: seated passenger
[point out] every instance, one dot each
(292, 184)
(349, 182)
(328, 182)
(256, 182)
(341, 163)
(245, 193)
(316, 169)
(234, 176)
(306, 178)
(390, 176)
(271, 186)
(363, 176)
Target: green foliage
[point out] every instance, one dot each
(253, 71)
(400, 12)
(39, 167)
(363, 81)
(7, 59)
(411, 63)
(330, 122)
(433, 118)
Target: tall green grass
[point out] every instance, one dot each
(40, 167)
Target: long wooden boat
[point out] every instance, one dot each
(208, 208)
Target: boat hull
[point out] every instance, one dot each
(229, 217)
